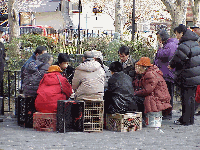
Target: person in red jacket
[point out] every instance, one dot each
(152, 86)
(53, 87)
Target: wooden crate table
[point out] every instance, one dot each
(93, 116)
(128, 122)
(44, 121)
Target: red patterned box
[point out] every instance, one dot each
(44, 121)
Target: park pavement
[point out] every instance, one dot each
(168, 137)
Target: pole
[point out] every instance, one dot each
(86, 22)
(78, 42)
(133, 20)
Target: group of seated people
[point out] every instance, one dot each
(123, 89)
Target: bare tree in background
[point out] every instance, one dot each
(195, 11)
(13, 19)
(177, 10)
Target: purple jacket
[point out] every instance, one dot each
(163, 56)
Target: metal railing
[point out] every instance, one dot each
(10, 87)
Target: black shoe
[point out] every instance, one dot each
(1, 120)
(197, 114)
(177, 122)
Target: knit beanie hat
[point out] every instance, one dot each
(62, 57)
(164, 35)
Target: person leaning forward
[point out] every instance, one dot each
(152, 87)
(186, 62)
(119, 98)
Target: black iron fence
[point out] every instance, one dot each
(10, 88)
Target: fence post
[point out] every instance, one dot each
(1, 106)
(8, 90)
(15, 83)
(87, 34)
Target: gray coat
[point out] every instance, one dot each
(33, 73)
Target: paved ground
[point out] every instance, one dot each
(170, 137)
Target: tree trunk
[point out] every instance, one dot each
(118, 17)
(195, 11)
(13, 19)
(177, 11)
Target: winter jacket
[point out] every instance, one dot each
(31, 59)
(197, 96)
(119, 98)
(108, 75)
(2, 60)
(88, 81)
(163, 56)
(153, 87)
(49, 92)
(186, 61)
(68, 72)
(129, 67)
(33, 73)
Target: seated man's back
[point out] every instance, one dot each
(88, 81)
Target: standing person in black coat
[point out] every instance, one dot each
(119, 98)
(186, 62)
(2, 60)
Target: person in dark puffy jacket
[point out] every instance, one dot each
(34, 72)
(186, 62)
(53, 87)
(164, 54)
(119, 98)
(64, 63)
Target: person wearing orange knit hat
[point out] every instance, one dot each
(152, 87)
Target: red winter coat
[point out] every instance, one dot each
(197, 97)
(49, 92)
(153, 87)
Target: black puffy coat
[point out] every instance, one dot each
(186, 61)
(119, 98)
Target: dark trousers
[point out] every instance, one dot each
(1, 88)
(140, 104)
(170, 87)
(188, 105)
